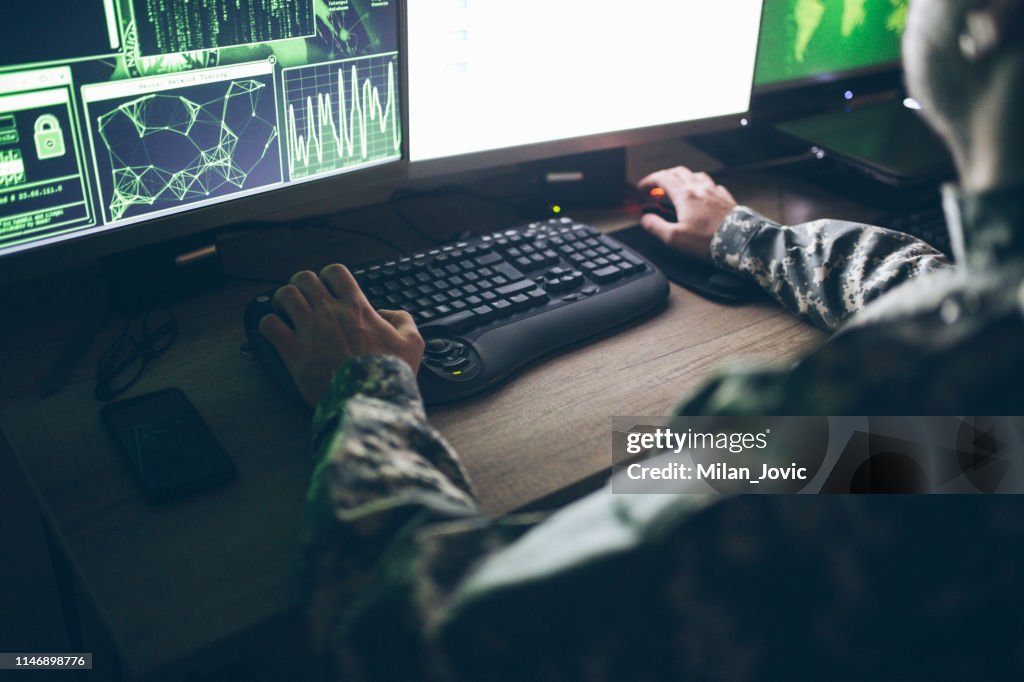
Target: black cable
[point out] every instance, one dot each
(406, 193)
(316, 224)
(368, 235)
(456, 189)
(415, 228)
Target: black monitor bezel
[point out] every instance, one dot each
(341, 191)
(828, 78)
(452, 166)
(796, 96)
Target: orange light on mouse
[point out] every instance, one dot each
(657, 192)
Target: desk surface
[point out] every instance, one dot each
(171, 580)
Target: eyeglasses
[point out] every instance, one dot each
(123, 363)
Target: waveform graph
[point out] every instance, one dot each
(342, 115)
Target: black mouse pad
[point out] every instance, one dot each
(698, 276)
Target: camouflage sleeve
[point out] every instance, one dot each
(381, 472)
(823, 271)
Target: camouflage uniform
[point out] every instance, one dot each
(409, 580)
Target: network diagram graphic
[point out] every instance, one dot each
(183, 150)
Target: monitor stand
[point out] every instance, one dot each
(162, 273)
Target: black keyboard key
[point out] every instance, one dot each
(607, 274)
(484, 312)
(633, 263)
(450, 324)
(537, 296)
(517, 287)
(506, 270)
(502, 307)
(489, 259)
(488, 296)
(520, 301)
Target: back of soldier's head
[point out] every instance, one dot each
(965, 64)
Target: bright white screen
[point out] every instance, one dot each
(490, 74)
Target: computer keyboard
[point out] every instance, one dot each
(927, 222)
(489, 305)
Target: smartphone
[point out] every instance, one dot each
(167, 445)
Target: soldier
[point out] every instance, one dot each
(409, 580)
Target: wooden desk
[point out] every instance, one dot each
(189, 586)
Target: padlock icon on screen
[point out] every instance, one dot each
(49, 137)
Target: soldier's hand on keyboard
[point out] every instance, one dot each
(700, 205)
(331, 322)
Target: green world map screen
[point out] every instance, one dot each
(801, 39)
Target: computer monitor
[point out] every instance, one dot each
(493, 82)
(125, 122)
(828, 76)
(811, 41)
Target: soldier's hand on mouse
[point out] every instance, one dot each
(333, 322)
(700, 205)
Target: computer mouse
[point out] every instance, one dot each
(657, 201)
(261, 347)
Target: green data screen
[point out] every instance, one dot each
(119, 111)
(801, 39)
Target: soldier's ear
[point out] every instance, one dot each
(989, 26)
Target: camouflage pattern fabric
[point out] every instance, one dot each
(408, 580)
